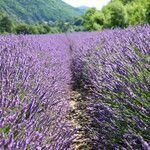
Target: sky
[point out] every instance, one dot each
(90, 3)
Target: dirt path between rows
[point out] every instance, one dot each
(81, 142)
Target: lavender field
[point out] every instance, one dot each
(110, 70)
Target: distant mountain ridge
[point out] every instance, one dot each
(32, 11)
(82, 9)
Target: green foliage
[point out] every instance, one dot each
(42, 28)
(136, 13)
(127, 1)
(118, 14)
(148, 13)
(6, 24)
(78, 21)
(112, 15)
(39, 10)
(5, 130)
(22, 29)
(115, 14)
(32, 29)
(93, 19)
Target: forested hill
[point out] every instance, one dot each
(38, 10)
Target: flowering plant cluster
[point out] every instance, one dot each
(37, 73)
(34, 93)
(115, 75)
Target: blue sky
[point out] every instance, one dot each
(90, 3)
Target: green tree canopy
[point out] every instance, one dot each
(93, 19)
(148, 13)
(22, 29)
(6, 24)
(136, 12)
(118, 14)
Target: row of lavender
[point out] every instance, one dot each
(34, 92)
(112, 67)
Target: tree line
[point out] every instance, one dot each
(7, 25)
(118, 13)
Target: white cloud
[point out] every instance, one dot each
(90, 3)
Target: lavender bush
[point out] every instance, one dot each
(34, 90)
(116, 79)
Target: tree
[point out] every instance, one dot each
(22, 29)
(118, 15)
(137, 13)
(93, 19)
(6, 24)
(47, 28)
(32, 29)
(78, 21)
(148, 13)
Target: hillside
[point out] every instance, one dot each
(82, 9)
(38, 10)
